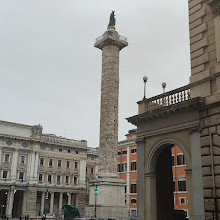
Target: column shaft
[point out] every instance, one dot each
(42, 202)
(69, 198)
(109, 110)
(10, 201)
(14, 164)
(60, 203)
(51, 202)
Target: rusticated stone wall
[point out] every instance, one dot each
(210, 146)
(203, 47)
(109, 110)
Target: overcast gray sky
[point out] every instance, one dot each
(51, 73)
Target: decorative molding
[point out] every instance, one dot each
(215, 5)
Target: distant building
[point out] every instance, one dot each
(127, 170)
(40, 172)
(179, 179)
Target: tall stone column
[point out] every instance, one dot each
(110, 200)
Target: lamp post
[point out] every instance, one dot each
(145, 81)
(164, 86)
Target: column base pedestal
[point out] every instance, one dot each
(110, 202)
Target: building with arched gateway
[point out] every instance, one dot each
(188, 117)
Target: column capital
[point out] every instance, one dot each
(140, 140)
(194, 129)
(215, 5)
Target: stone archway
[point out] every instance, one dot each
(159, 177)
(149, 151)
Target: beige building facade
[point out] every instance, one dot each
(40, 172)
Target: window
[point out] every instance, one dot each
(5, 174)
(125, 189)
(60, 149)
(119, 167)
(59, 163)
(174, 186)
(67, 179)
(124, 167)
(119, 152)
(68, 151)
(92, 158)
(40, 177)
(75, 180)
(86, 169)
(133, 201)
(182, 185)
(92, 170)
(133, 151)
(49, 178)
(180, 159)
(182, 200)
(50, 162)
(41, 161)
(133, 166)
(21, 175)
(6, 158)
(133, 188)
(133, 212)
(173, 160)
(22, 159)
(51, 149)
(67, 164)
(124, 152)
(76, 165)
(58, 179)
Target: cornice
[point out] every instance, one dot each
(168, 111)
(215, 5)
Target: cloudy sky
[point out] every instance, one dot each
(50, 72)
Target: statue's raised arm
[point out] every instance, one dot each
(112, 19)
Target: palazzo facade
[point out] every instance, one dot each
(40, 172)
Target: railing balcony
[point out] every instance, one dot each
(111, 34)
(167, 99)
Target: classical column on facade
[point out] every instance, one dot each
(111, 187)
(10, 202)
(42, 202)
(189, 192)
(36, 166)
(149, 206)
(60, 203)
(197, 183)
(140, 178)
(14, 165)
(0, 154)
(24, 202)
(51, 202)
(69, 198)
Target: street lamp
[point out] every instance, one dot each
(164, 86)
(145, 81)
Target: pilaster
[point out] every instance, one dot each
(51, 202)
(60, 203)
(14, 165)
(42, 202)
